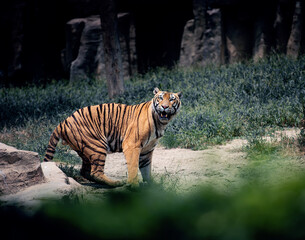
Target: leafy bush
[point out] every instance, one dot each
(254, 212)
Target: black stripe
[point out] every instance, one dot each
(50, 151)
(49, 156)
(104, 119)
(128, 108)
(156, 129)
(75, 118)
(122, 120)
(90, 114)
(124, 111)
(149, 125)
(99, 115)
(98, 170)
(67, 138)
(144, 163)
(94, 150)
(98, 164)
(51, 147)
(97, 125)
(69, 125)
(60, 125)
(116, 114)
(89, 127)
(144, 154)
(139, 118)
(88, 123)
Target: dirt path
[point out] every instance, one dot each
(184, 170)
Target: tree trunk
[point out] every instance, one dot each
(294, 42)
(283, 24)
(112, 50)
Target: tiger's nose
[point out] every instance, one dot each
(165, 106)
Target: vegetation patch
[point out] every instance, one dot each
(254, 212)
(219, 103)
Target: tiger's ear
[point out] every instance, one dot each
(179, 94)
(156, 90)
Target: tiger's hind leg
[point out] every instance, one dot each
(86, 166)
(93, 167)
(97, 171)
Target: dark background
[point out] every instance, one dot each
(36, 45)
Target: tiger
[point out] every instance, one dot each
(135, 130)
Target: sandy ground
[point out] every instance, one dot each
(181, 170)
(184, 170)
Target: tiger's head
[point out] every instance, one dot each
(166, 104)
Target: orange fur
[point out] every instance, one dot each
(134, 129)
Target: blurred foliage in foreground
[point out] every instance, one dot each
(254, 212)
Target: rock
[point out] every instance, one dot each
(211, 49)
(201, 41)
(18, 169)
(187, 45)
(74, 29)
(55, 186)
(90, 54)
(84, 54)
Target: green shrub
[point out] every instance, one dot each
(254, 212)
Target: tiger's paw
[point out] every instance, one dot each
(118, 183)
(134, 186)
(103, 179)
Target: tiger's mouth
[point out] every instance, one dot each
(163, 116)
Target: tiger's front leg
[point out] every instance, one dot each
(132, 158)
(145, 165)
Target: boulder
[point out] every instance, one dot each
(84, 54)
(18, 169)
(89, 60)
(201, 41)
(187, 50)
(56, 186)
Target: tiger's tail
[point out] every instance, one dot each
(52, 145)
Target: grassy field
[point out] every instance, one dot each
(219, 104)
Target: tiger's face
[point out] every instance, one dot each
(166, 104)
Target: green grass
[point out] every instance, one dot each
(219, 103)
(271, 163)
